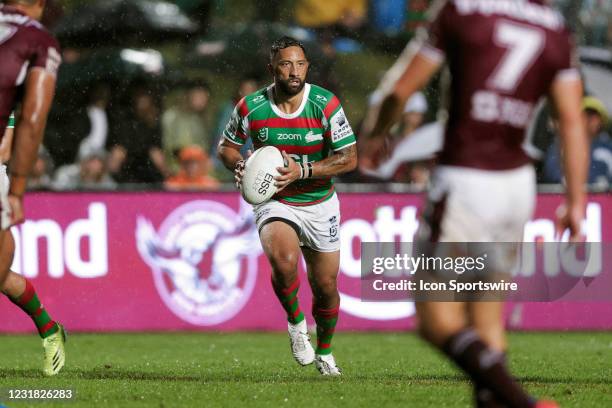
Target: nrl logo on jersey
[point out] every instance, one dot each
(311, 137)
(262, 134)
(321, 98)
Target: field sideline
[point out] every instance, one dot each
(256, 369)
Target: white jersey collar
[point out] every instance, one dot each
(299, 110)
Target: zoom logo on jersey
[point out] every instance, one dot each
(289, 136)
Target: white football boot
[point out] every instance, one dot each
(300, 343)
(326, 365)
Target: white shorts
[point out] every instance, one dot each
(317, 225)
(5, 209)
(471, 205)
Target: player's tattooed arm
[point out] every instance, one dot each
(341, 162)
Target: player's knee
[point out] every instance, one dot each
(325, 285)
(437, 333)
(284, 263)
(494, 337)
(7, 252)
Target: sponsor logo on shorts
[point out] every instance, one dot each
(261, 214)
(333, 229)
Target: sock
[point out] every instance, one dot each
(483, 397)
(289, 300)
(29, 303)
(486, 368)
(326, 325)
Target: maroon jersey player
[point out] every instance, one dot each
(503, 56)
(29, 60)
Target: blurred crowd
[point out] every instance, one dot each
(107, 134)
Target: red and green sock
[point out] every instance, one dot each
(28, 302)
(289, 300)
(326, 320)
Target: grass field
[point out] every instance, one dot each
(256, 369)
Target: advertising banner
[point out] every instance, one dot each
(186, 261)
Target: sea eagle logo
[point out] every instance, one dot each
(203, 258)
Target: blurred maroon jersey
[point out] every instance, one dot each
(24, 44)
(503, 56)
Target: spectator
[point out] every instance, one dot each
(345, 14)
(333, 19)
(195, 166)
(40, 177)
(89, 174)
(600, 171)
(185, 124)
(99, 99)
(135, 147)
(247, 86)
(389, 16)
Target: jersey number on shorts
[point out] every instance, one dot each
(523, 45)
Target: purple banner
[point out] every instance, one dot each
(181, 261)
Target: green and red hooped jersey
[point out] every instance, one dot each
(11, 121)
(318, 128)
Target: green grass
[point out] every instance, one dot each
(256, 369)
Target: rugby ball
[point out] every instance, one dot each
(257, 184)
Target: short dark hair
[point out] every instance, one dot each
(284, 42)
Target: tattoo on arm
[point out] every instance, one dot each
(340, 162)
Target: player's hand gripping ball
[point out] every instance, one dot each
(257, 183)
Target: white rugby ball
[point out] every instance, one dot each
(257, 184)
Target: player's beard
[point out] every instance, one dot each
(288, 89)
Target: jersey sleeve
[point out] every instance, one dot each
(46, 53)
(568, 63)
(338, 127)
(236, 130)
(11, 121)
(436, 39)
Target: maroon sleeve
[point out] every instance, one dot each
(439, 33)
(567, 59)
(45, 52)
